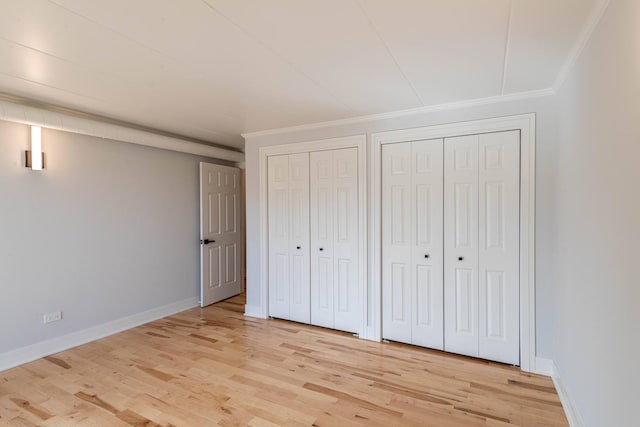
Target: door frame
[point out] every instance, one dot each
(357, 141)
(525, 123)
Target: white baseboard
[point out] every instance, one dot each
(573, 416)
(548, 367)
(45, 348)
(544, 366)
(253, 311)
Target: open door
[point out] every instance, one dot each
(221, 255)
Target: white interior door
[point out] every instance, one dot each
(412, 273)
(335, 291)
(288, 210)
(461, 245)
(221, 256)
(499, 245)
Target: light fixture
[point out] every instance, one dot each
(35, 156)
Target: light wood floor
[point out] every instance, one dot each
(214, 366)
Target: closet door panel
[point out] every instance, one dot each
(427, 234)
(461, 244)
(397, 315)
(298, 222)
(278, 211)
(499, 242)
(322, 231)
(347, 301)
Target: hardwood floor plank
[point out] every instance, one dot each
(214, 366)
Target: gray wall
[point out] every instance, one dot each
(545, 144)
(107, 230)
(597, 223)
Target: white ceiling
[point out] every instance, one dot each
(212, 69)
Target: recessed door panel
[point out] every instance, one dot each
(400, 293)
(215, 266)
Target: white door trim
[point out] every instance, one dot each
(526, 124)
(358, 141)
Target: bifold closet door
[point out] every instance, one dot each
(288, 210)
(412, 242)
(481, 251)
(335, 301)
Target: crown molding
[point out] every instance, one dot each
(581, 42)
(410, 112)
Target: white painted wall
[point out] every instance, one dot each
(546, 132)
(597, 223)
(107, 230)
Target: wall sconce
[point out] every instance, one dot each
(35, 156)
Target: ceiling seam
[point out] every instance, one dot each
(386, 46)
(281, 57)
(134, 41)
(507, 46)
(588, 28)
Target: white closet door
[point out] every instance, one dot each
(288, 209)
(335, 301)
(499, 243)
(347, 301)
(279, 249)
(300, 310)
(322, 220)
(461, 244)
(427, 251)
(396, 242)
(412, 180)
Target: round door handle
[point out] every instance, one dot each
(322, 249)
(297, 247)
(460, 258)
(426, 255)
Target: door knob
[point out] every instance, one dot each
(206, 241)
(297, 247)
(426, 255)
(460, 258)
(322, 249)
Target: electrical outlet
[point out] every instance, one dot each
(52, 317)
